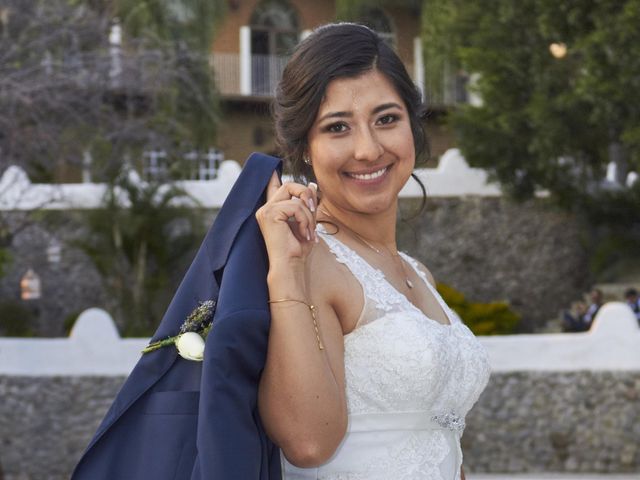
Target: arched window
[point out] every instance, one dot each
(274, 34)
(274, 28)
(377, 20)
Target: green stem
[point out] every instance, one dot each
(160, 343)
(172, 340)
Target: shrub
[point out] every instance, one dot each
(15, 319)
(69, 322)
(493, 318)
(5, 260)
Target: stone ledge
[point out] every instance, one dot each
(611, 344)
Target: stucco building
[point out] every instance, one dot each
(252, 46)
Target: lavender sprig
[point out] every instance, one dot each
(199, 321)
(200, 318)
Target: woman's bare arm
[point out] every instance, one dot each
(301, 396)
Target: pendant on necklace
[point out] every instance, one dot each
(409, 283)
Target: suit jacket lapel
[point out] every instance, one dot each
(239, 204)
(199, 283)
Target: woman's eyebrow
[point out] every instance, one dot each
(386, 106)
(343, 114)
(335, 115)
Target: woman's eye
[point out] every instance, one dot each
(336, 127)
(387, 119)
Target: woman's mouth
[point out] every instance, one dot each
(369, 176)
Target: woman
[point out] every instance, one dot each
(368, 373)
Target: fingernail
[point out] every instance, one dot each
(308, 235)
(312, 207)
(313, 185)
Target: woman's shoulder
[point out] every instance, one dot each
(422, 268)
(332, 284)
(326, 274)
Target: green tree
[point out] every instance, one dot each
(143, 235)
(549, 121)
(185, 28)
(68, 95)
(137, 247)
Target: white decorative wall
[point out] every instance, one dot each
(95, 348)
(452, 178)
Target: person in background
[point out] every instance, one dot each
(633, 300)
(583, 318)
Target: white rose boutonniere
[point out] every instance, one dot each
(190, 345)
(190, 340)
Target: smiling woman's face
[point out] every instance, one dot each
(361, 145)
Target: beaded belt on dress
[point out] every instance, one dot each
(367, 422)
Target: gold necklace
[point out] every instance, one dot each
(364, 241)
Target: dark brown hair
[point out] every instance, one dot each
(335, 51)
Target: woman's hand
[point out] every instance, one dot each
(287, 220)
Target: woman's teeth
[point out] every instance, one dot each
(369, 176)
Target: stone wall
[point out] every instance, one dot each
(68, 287)
(555, 402)
(490, 248)
(487, 247)
(46, 422)
(556, 422)
(74, 284)
(523, 422)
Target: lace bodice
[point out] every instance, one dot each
(410, 381)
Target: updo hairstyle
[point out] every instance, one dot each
(341, 50)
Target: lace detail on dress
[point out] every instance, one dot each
(380, 376)
(375, 285)
(402, 362)
(451, 315)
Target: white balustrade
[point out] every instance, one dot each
(95, 348)
(452, 178)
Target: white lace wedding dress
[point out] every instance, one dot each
(410, 381)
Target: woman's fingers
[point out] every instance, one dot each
(290, 189)
(292, 204)
(294, 212)
(308, 197)
(296, 192)
(314, 188)
(273, 186)
(277, 191)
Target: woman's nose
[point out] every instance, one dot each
(367, 146)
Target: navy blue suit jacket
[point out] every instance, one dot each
(179, 419)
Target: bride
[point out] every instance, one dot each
(369, 375)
